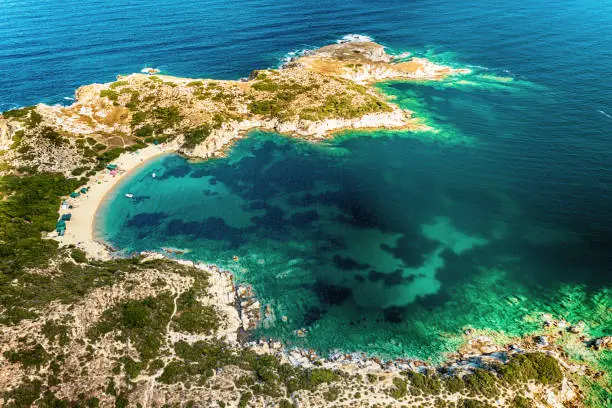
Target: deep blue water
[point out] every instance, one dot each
(525, 165)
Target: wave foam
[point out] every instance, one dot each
(355, 38)
(295, 54)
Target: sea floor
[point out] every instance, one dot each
(389, 243)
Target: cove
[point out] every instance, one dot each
(383, 242)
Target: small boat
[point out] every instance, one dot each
(153, 175)
(128, 195)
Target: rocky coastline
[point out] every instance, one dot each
(85, 324)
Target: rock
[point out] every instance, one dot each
(577, 328)
(488, 349)
(541, 341)
(602, 343)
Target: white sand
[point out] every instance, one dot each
(80, 229)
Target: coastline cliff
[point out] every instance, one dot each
(80, 329)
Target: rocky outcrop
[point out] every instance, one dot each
(5, 135)
(215, 144)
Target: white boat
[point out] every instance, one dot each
(153, 175)
(128, 195)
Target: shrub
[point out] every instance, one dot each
(145, 131)
(118, 84)
(110, 94)
(25, 394)
(285, 404)
(53, 330)
(481, 382)
(521, 402)
(143, 322)
(110, 155)
(399, 390)
(428, 384)
(197, 135)
(244, 399)
(532, 366)
(34, 357)
(168, 117)
(138, 118)
(52, 136)
(193, 317)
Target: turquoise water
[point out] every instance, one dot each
(384, 242)
(389, 242)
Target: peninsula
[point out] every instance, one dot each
(79, 327)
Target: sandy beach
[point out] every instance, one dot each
(80, 229)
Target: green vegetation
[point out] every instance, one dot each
(532, 366)
(30, 357)
(54, 331)
(481, 382)
(25, 394)
(132, 368)
(399, 390)
(244, 399)
(168, 117)
(421, 383)
(28, 115)
(285, 404)
(344, 106)
(145, 131)
(199, 360)
(197, 135)
(19, 114)
(472, 403)
(521, 402)
(110, 94)
(138, 118)
(118, 84)
(194, 318)
(28, 207)
(332, 394)
(143, 322)
(49, 134)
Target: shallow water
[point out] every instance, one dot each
(389, 242)
(385, 242)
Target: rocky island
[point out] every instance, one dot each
(79, 327)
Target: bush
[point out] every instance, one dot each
(244, 399)
(193, 317)
(110, 94)
(143, 322)
(428, 384)
(481, 382)
(285, 404)
(399, 391)
(145, 131)
(118, 84)
(521, 402)
(53, 330)
(25, 394)
(532, 366)
(34, 357)
(110, 155)
(28, 206)
(196, 136)
(168, 117)
(138, 118)
(52, 136)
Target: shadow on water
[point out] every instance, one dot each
(392, 248)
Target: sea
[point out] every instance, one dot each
(389, 243)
